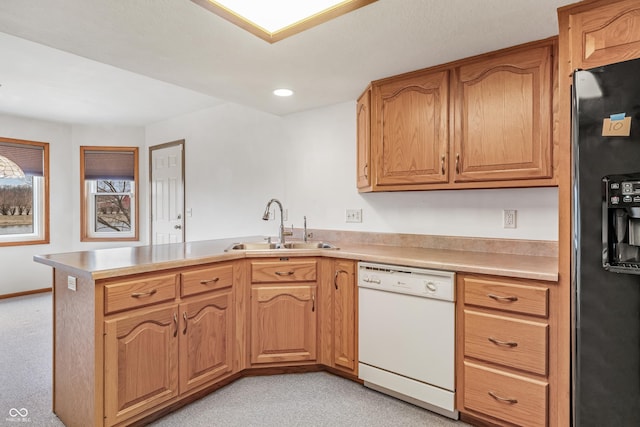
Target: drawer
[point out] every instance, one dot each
(206, 279)
(283, 271)
(507, 296)
(139, 292)
(512, 398)
(519, 344)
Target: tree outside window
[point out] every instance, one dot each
(109, 186)
(23, 192)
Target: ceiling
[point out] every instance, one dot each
(135, 62)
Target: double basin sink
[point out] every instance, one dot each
(266, 246)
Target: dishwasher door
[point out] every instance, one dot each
(408, 335)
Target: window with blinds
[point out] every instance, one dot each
(24, 183)
(109, 177)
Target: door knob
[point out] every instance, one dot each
(177, 227)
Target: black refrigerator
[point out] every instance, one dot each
(606, 246)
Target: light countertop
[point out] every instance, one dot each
(115, 262)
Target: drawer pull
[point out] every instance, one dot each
(284, 273)
(510, 401)
(503, 343)
(175, 320)
(206, 282)
(143, 294)
(335, 277)
(501, 298)
(184, 316)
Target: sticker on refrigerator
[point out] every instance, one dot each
(616, 125)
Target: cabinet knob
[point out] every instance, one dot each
(177, 227)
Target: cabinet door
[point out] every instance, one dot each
(344, 315)
(363, 117)
(206, 339)
(411, 130)
(503, 118)
(604, 32)
(141, 362)
(283, 324)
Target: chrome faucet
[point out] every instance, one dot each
(265, 217)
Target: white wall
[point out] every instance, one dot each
(238, 158)
(18, 271)
(234, 165)
(321, 184)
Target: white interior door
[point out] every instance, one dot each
(167, 193)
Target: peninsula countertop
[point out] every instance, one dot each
(115, 262)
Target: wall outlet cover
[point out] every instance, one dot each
(509, 218)
(71, 283)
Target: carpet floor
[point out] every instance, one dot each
(310, 399)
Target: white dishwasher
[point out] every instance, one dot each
(407, 334)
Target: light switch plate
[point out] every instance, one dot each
(353, 215)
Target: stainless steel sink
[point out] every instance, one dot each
(265, 246)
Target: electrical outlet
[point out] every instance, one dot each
(285, 215)
(353, 215)
(509, 217)
(71, 283)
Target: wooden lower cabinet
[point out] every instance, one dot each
(506, 396)
(343, 314)
(283, 323)
(141, 362)
(506, 363)
(157, 354)
(206, 340)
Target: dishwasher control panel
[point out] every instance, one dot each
(434, 284)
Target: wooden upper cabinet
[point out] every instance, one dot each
(410, 133)
(363, 146)
(481, 122)
(503, 116)
(602, 32)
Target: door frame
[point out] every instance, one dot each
(184, 219)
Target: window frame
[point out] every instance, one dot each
(40, 208)
(87, 197)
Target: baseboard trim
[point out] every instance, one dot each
(21, 294)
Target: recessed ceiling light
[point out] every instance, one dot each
(273, 20)
(283, 92)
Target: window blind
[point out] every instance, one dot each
(30, 158)
(109, 165)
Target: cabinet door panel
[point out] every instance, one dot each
(206, 340)
(503, 117)
(344, 316)
(412, 133)
(363, 117)
(283, 324)
(141, 363)
(607, 34)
